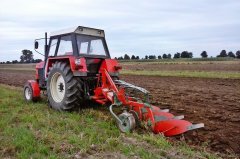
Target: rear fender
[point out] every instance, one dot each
(35, 88)
(79, 69)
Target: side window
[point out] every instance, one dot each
(65, 46)
(53, 47)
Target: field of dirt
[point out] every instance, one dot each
(15, 78)
(221, 66)
(214, 102)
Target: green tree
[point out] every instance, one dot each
(238, 54)
(190, 55)
(164, 56)
(146, 57)
(152, 57)
(159, 57)
(169, 56)
(26, 57)
(133, 57)
(126, 57)
(231, 54)
(204, 54)
(40, 60)
(177, 55)
(223, 53)
(186, 54)
(14, 61)
(120, 58)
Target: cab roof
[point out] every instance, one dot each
(80, 30)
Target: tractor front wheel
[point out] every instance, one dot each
(28, 93)
(64, 91)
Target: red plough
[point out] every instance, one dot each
(136, 111)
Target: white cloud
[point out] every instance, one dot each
(136, 27)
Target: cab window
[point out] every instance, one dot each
(65, 46)
(53, 47)
(90, 45)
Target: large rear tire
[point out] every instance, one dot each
(65, 92)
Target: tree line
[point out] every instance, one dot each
(184, 54)
(26, 57)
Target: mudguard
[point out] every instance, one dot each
(35, 88)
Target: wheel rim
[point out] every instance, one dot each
(28, 93)
(57, 87)
(128, 122)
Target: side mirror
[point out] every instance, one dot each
(36, 45)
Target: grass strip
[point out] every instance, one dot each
(196, 74)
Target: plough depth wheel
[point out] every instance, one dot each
(128, 122)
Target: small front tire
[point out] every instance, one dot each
(28, 93)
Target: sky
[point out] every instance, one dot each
(139, 27)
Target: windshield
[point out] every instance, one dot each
(90, 45)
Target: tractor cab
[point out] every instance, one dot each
(80, 42)
(83, 48)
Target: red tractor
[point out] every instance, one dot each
(77, 67)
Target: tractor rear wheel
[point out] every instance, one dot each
(64, 91)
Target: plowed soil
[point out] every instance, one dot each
(214, 102)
